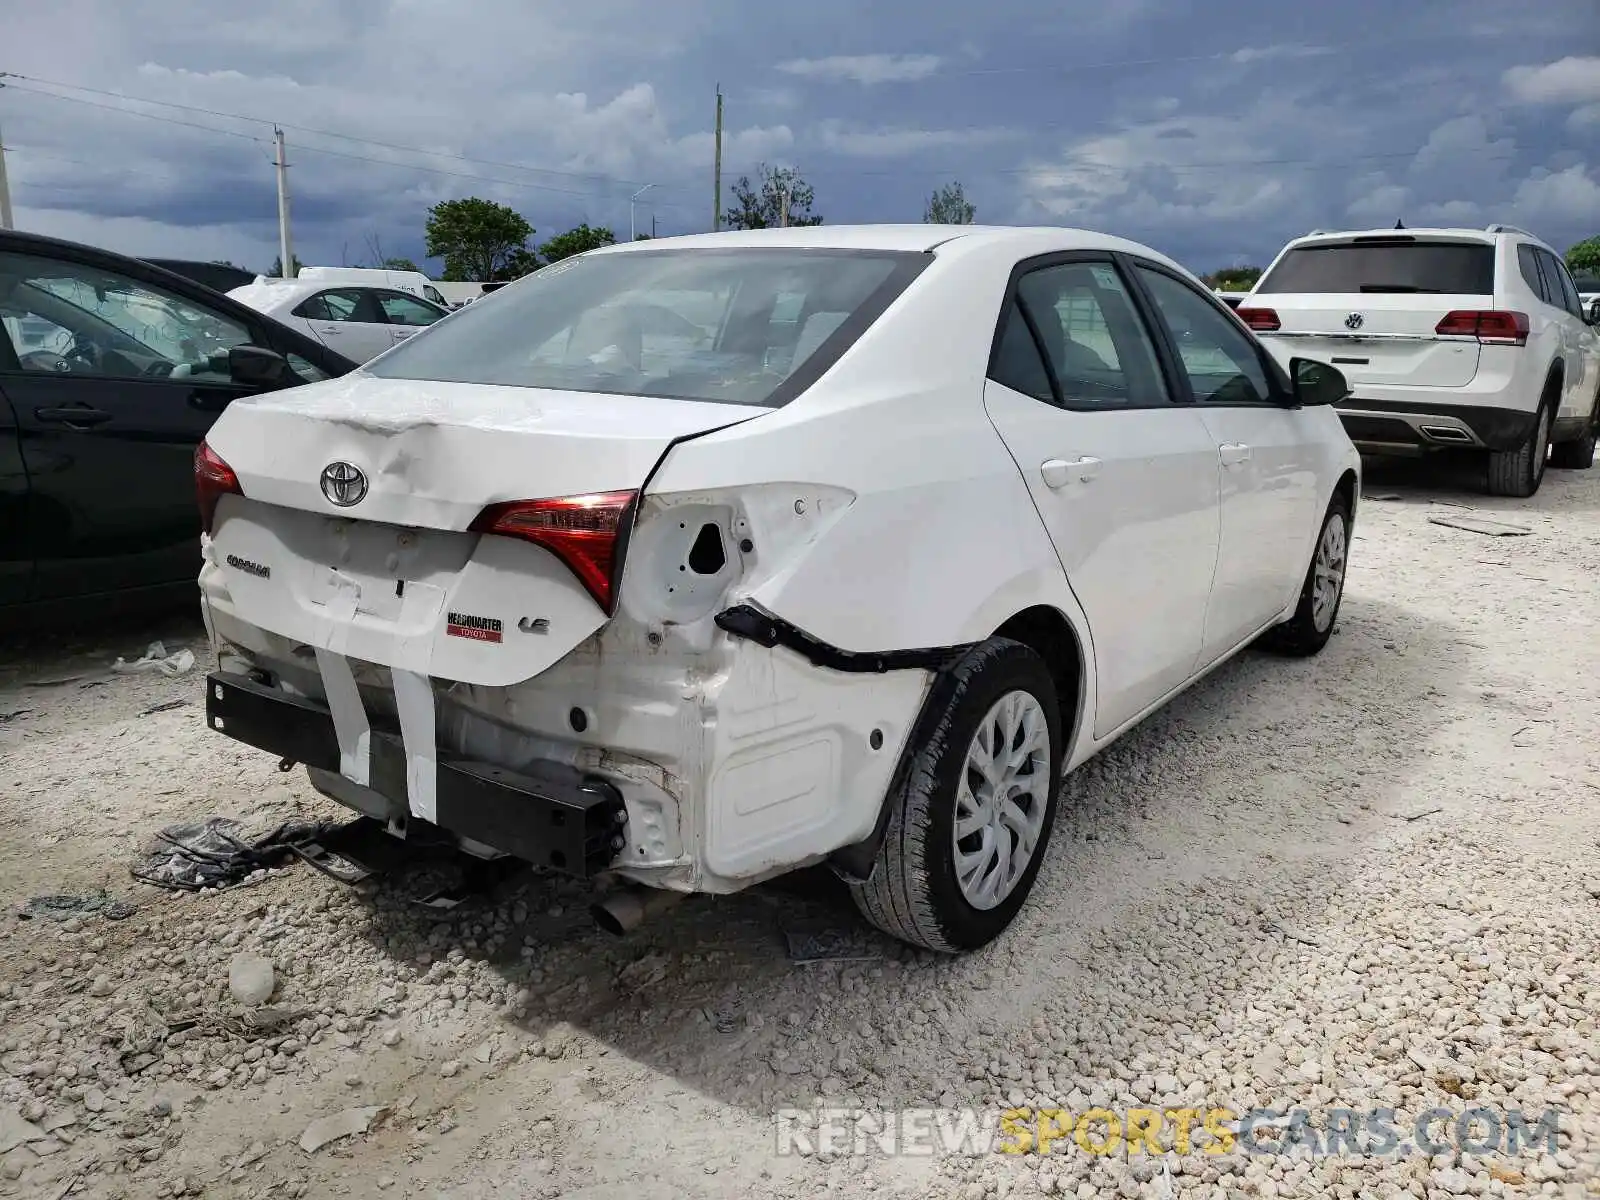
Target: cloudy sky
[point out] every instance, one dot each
(1213, 131)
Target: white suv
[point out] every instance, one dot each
(1449, 338)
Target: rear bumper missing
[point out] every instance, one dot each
(552, 815)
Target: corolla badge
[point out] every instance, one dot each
(1354, 321)
(344, 484)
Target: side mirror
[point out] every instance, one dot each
(258, 367)
(1316, 383)
(1594, 312)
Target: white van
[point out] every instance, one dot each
(414, 282)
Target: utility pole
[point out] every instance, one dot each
(285, 249)
(716, 203)
(783, 207)
(652, 225)
(5, 189)
(632, 200)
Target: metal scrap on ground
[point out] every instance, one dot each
(1482, 525)
(341, 1125)
(828, 945)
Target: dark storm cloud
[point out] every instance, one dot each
(1212, 131)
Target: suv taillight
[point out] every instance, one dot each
(1492, 328)
(213, 479)
(587, 533)
(1262, 320)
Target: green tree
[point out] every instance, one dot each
(576, 241)
(1234, 279)
(1584, 258)
(479, 240)
(400, 264)
(277, 266)
(949, 206)
(762, 205)
(226, 262)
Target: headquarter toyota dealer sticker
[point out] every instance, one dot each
(477, 629)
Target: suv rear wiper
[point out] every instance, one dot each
(1396, 288)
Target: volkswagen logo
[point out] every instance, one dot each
(1354, 321)
(343, 484)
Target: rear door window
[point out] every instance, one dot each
(1385, 265)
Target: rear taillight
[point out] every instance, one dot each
(1489, 327)
(587, 533)
(213, 479)
(1263, 320)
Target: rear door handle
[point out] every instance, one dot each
(1234, 454)
(78, 416)
(1058, 472)
(330, 329)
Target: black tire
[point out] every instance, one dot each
(1578, 455)
(913, 892)
(1302, 635)
(1518, 473)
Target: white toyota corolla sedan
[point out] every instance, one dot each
(687, 563)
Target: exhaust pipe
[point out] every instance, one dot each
(625, 910)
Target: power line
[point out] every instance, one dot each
(310, 149)
(128, 111)
(345, 137)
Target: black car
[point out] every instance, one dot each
(111, 372)
(219, 277)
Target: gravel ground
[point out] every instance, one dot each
(1365, 880)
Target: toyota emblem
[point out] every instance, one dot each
(343, 484)
(1354, 321)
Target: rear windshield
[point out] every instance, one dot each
(1386, 265)
(735, 326)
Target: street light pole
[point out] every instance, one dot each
(632, 232)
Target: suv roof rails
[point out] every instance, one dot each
(1508, 229)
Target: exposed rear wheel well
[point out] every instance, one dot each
(1050, 635)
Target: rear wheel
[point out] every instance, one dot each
(1519, 472)
(972, 809)
(1578, 455)
(1308, 631)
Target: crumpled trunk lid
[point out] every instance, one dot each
(436, 454)
(397, 577)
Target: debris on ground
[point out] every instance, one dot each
(161, 708)
(1482, 525)
(215, 853)
(341, 1125)
(64, 908)
(15, 1131)
(829, 945)
(157, 661)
